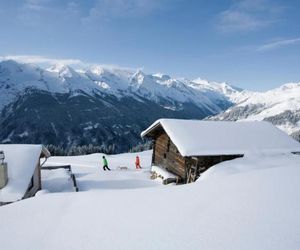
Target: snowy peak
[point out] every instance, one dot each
(96, 70)
(231, 92)
(64, 71)
(162, 77)
(10, 66)
(139, 78)
(111, 81)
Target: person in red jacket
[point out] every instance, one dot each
(137, 162)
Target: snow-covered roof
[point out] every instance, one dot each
(21, 162)
(195, 137)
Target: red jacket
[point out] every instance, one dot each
(137, 160)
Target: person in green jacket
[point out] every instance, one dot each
(105, 164)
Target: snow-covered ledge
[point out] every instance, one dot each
(161, 173)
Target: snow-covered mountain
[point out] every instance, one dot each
(15, 78)
(111, 106)
(281, 106)
(97, 105)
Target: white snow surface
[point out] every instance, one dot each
(246, 207)
(21, 163)
(196, 137)
(57, 180)
(90, 175)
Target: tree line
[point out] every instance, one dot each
(92, 149)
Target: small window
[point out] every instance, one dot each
(165, 155)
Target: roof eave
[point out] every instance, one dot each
(146, 133)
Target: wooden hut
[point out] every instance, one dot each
(24, 171)
(187, 148)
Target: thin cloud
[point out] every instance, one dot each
(249, 15)
(111, 9)
(278, 44)
(40, 60)
(35, 5)
(76, 63)
(48, 12)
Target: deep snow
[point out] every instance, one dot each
(253, 205)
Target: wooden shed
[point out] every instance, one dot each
(24, 171)
(187, 148)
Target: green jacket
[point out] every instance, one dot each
(105, 162)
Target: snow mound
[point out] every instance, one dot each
(250, 162)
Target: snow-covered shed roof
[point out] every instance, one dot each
(196, 138)
(21, 161)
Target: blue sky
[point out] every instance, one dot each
(253, 44)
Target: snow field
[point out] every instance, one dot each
(247, 203)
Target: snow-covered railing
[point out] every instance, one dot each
(67, 167)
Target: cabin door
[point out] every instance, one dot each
(193, 170)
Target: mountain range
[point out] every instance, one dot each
(109, 107)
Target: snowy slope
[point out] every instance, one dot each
(246, 207)
(234, 94)
(16, 77)
(276, 101)
(281, 106)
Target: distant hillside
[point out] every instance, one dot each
(280, 106)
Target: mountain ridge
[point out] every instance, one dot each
(96, 79)
(111, 106)
(98, 106)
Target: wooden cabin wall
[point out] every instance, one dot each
(166, 155)
(36, 178)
